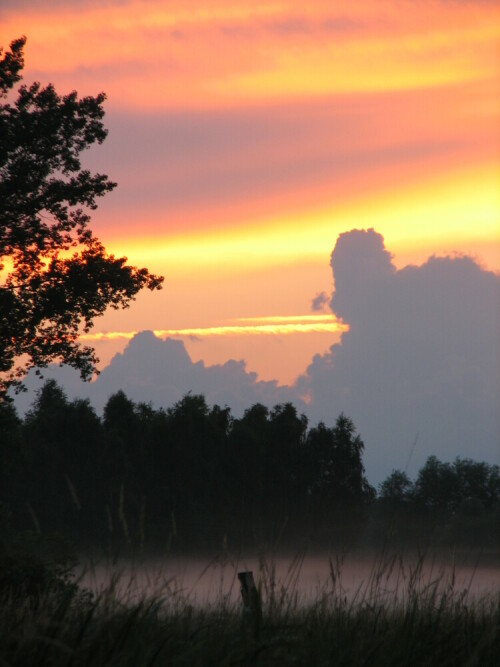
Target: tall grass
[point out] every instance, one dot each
(422, 620)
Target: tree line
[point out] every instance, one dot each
(194, 475)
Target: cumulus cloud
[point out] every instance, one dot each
(319, 301)
(421, 358)
(161, 372)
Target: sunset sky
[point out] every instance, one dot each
(245, 136)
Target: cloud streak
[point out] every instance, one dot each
(230, 52)
(276, 326)
(192, 154)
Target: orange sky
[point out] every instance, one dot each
(246, 136)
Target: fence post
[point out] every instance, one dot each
(252, 603)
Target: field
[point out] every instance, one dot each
(404, 613)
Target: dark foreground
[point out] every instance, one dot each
(427, 625)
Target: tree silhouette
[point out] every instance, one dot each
(143, 474)
(249, 446)
(287, 433)
(397, 490)
(338, 475)
(57, 277)
(63, 461)
(477, 481)
(436, 487)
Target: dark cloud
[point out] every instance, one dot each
(421, 358)
(360, 265)
(161, 372)
(319, 302)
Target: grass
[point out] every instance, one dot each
(423, 620)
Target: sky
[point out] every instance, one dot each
(246, 136)
(319, 183)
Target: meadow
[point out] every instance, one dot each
(399, 611)
(154, 492)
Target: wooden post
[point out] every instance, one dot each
(252, 604)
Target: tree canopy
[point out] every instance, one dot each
(217, 474)
(55, 275)
(143, 474)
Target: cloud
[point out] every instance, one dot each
(229, 167)
(319, 302)
(245, 326)
(194, 160)
(293, 26)
(421, 358)
(161, 372)
(45, 4)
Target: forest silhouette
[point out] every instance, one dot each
(192, 476)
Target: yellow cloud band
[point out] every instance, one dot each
(279, 325)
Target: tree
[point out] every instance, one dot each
(436, 488)
(63, 463)
(55, 275)
(396, 508)
(397, 490)
(249, 446)
(477, 481)
(336, 471)
(287, 434)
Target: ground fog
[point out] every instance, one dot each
(301, 578)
